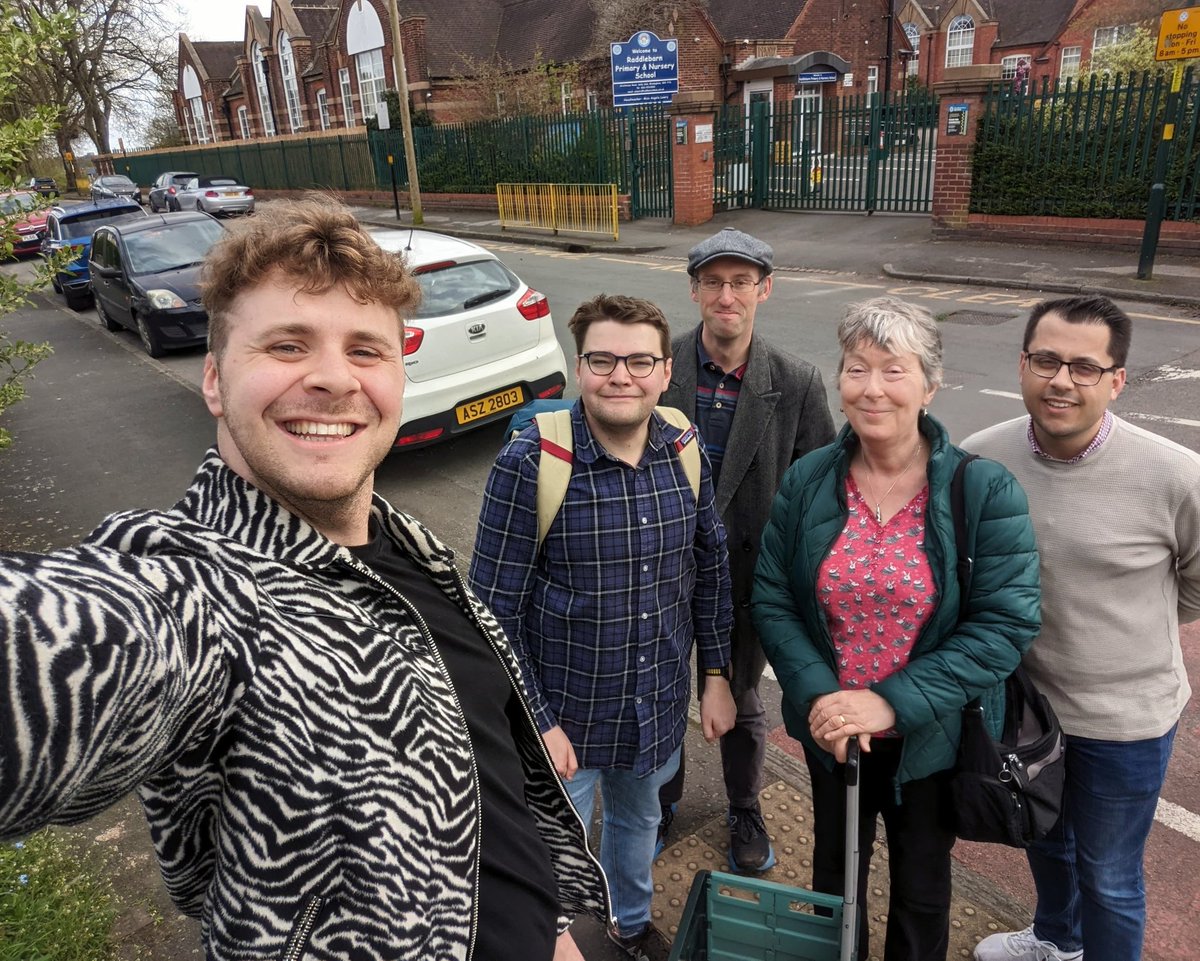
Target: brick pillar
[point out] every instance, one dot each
(952, 173)
(692, 162)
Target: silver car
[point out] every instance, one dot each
(215, 195)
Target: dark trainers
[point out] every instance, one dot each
(647, 945)
(749, 846)
(664, 828)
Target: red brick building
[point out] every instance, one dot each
(323, 64)
(1030, 40)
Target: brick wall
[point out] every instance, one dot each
(1175, 237)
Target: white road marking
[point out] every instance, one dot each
(1162, 419)
(1001, 393)
(1178, 819)
(1167, 372)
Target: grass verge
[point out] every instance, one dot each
(53, 906)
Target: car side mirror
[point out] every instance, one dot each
(105, 271)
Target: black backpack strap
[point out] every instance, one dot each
(958, 512)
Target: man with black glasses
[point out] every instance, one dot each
(604, 598)
(1116, 510)
(758, 409)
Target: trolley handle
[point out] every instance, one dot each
(852, 759)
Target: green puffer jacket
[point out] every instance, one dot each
(952, 661)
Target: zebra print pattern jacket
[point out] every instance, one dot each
(299, 751)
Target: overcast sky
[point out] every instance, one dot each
(217, 19)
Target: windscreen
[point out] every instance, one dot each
(171, 246)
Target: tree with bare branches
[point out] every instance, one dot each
(114, 59)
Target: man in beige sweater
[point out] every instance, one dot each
(1117, 515)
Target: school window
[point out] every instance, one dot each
(264, 97)
(347, 96)
(244, 122)
(960, 42)
(370, 80)
(593, 100)
(1070, 62)
(564, 94)
(197, 107)
(913, 33)
(1107, 36)
(291, 88)
(1008, 67)
(323, 108)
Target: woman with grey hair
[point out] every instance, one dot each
(864, 620)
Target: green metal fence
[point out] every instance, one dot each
(863, 153)
(1088, 149)
(338, 162)
(631, 149)
(628, 148)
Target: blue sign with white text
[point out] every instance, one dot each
(645, 69)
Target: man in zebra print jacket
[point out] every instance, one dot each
(326, 728)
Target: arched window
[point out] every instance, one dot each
(960, 42)
(364, 42)
(264, 98)
(291, 89)
(913, 32)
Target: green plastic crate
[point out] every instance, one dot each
(733, 918)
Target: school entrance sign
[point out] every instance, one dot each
(645, 69)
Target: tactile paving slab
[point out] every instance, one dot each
(787, 812)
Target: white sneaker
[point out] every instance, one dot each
(1021, 946)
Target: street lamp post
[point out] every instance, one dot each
(410, 154)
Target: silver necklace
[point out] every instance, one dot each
(871, 487)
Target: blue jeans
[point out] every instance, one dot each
(630, 813)
(1088, 870)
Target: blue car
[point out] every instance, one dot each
(73, 227)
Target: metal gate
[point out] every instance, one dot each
(862, 153)
(648, 140)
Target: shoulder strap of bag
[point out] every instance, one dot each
(687, 447)
(557, 459)
(554, 466)
(958, 512)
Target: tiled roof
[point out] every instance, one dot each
(218, 56)
(315, 19)
(1030, 22)
(759, 20)
(559, 29)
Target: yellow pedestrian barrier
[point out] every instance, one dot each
(581, 208)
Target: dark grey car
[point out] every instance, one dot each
(114, 186)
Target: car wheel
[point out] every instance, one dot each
(153, 206)
(108, 322)
(56, 285)
(150, 339)
(173, 205)
(77, 301)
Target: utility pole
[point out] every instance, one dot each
(410, 154)
(887, 56)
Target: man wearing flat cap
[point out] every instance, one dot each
(758, 409)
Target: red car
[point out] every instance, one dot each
(19, 207)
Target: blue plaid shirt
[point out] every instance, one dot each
(603, 617)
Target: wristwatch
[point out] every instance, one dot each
(717, 672)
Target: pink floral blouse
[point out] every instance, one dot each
(876, 589)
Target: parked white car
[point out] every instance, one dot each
(481, 344)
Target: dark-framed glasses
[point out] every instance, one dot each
(743, 285)
(602, 363)
(1082, 374)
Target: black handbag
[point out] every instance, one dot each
(1006, 791)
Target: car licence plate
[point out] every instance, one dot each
(477, 409)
